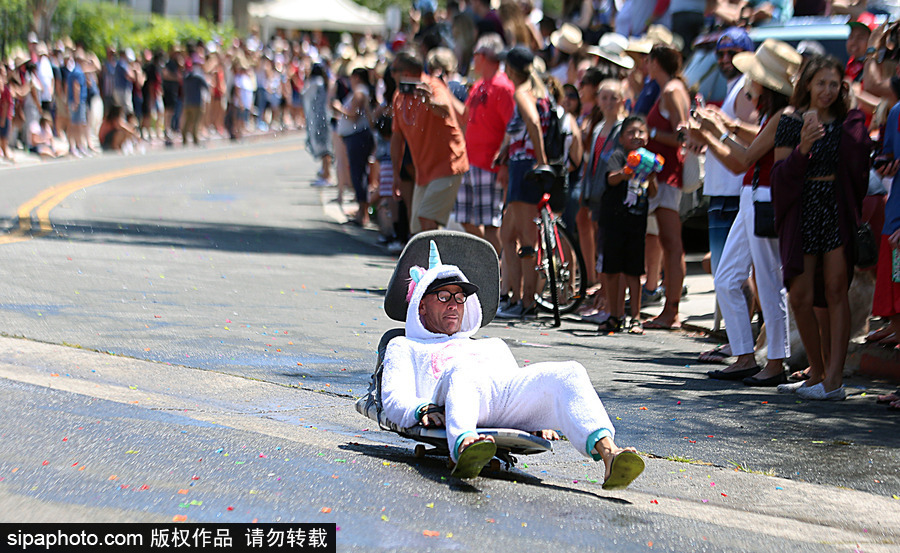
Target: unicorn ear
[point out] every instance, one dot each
(434, 258)
(416, 273)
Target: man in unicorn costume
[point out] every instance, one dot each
(478, 382)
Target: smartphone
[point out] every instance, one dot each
(408, 87)
(880, 162)
(812, 117)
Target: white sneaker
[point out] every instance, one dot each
(395, 247)
(790, 388)
(818, 393)
(320, 183)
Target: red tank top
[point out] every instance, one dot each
(762, 169)
(671, 173)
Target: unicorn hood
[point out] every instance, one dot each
(420, 279)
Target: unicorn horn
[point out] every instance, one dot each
(434, 258)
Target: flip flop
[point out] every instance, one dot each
(799, 376)
(714, 355)
(473, 458)
(626, 466)
(654, 325)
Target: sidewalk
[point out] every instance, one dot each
(24, 158)
(697, 308)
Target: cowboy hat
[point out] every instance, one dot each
(641, 45)
(773, 65)
(611, 48)
(567, 39)
(662, 35)
(19, 57)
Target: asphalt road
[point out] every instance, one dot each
(244, 321)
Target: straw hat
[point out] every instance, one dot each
(19, 57)
(773, 65)
(567, 39)
(611, 48)
(662, 35)
(442, 57)
(641, 45)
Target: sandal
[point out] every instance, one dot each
(799, 376)
(473, 458)
(626, 466)
(609, 326)
(888, 398)
(716, 355)
(635, 327)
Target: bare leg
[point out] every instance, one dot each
(801, 298)
(615, 303)
(587, 241)
(653, 259)
(511, 267)
(673, 257)
(492, 235)
(839, 317)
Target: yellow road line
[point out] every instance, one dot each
(49, 198)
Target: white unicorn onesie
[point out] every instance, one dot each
(479, 384)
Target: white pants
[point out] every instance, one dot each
(744, 250)
(541, 396)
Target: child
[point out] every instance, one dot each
(623, 218)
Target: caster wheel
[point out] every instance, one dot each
(494, 465)
(419, 451)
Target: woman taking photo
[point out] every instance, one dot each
(524, 147)
(817, 207)
(353, 127)
(768, 81)
(670, 112)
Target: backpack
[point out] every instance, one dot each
(555, 134)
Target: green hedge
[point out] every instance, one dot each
(99, 24)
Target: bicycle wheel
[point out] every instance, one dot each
(568, 284)
(549, 265)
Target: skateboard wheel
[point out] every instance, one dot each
(419, 451)
(494, 465)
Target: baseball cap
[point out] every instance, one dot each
(519, 58)
(810, 48)
(865, 20)
(734, 38)
(467, 287)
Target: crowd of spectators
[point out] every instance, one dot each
(447, 118)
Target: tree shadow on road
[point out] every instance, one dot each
(434, 468)
(324, 241)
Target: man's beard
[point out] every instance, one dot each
(730, 73)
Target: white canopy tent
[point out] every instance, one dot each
(324, 15)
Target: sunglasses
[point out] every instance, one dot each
(730, 53)
(444, 296)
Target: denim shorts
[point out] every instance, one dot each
(517, 191)
(78, 116)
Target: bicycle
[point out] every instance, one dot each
(558, 259)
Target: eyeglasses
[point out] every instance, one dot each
(444, 296)
(722, 53)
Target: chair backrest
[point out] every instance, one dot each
(475, 257)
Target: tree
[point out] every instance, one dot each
(13, 24)
(41, 15)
